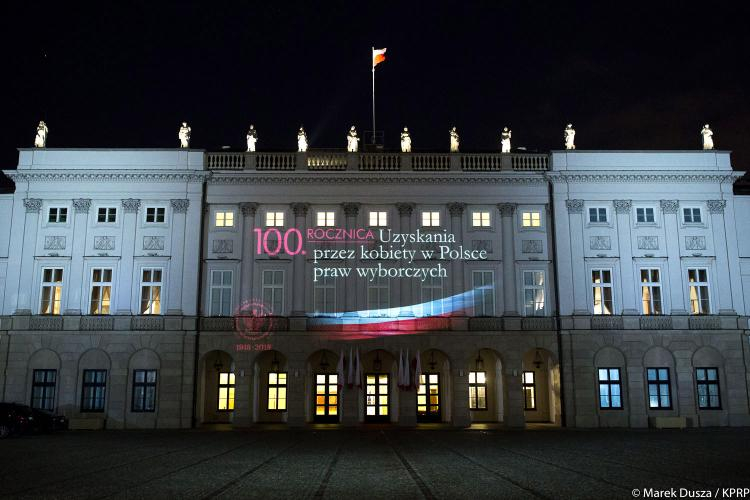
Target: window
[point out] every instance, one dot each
(480, 219)
(428, 397)
(277, 391)
(432, 293)
(708, 388)
(43, 389)
(597, 214)
(430, 219)
(275, 219)
(101, 291)
(691, 215)
(226, 391)
(484, 293)
(221, 293)
(601, 281)
(650, 291)
(273, 290)
(94, 387)
(610, 389)
(378, 219)
(324, 295)
(658, 388)
(144, 391)
(699, 301)
(531, 219)
(57, 215)
(326, 218)
(52, 286)
(155, 215)
(376, 396)
(379, 295)
(106, 215)
(477, 391)
(529, 391)
(644, 215)
(533, 293)
(326, 397)
(224, 219)
(151, 290)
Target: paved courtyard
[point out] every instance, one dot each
(372, 463)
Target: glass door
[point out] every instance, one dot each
(376, 397)
(428, 398)
(326, 398)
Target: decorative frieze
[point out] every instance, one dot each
(574, 206)
(131, 205)
(480, 245)
(153, 242)
(608, 322)
(485, 324)
(33, 205)
(300, 209)
(506, 209)
(669, 206)
(223, 246)
(456, 209)
(180, 206)
(147, 323)
(104, 242)
(225, 324)
(53, 323)
(82, 205)
(716, 206)
(350, 209)
(405, 209)
(531, 246)
(249, 209)
(96, 323)
(704, 322)
(541, 323)
(695, 242)
(600, 243)
(648, 242)
(623, 206)
(656, 323)
(54, 242)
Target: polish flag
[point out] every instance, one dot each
(418, 371)
(340, 370)
(378, 56)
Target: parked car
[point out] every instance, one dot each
(19, 419)
(47, 421)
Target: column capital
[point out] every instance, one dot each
(82, 205)
(669, 206)
(248, 209)
(33, 205)
(507, 209)
(716, 206)
(131, 205)
(623, 206)
(350, 209)
(405, 209)
(300, 209)
(574, 206)
(180, 206)
(456, 209)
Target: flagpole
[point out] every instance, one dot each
(373, 95)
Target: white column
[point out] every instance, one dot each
(177, 257)
(404, 211)
(130, 209)
(298, 263)
(350, 212)
(456, 211)
(624, 241)
(562, 256)
(248, 251)
(509, 258)
(581, 280)
(77, 281)
(722, 281)
(677, 300)
(31, 228)
(192, 255)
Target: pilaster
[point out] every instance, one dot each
(677, 299)
(507, 211)
(130, 209)
(623, 210)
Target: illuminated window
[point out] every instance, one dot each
(274, 219)
(324, 295)
(224, 219)
(378, 219)
(428, 397)
(691, 215)
(155, 215)
(326, 397)
(484, 293)
(94, 390)
(480, 219)
(43, 389)
(378, 295)
(531, 219)
(221, 293)
(659, 397)
(597, 214)
(52, 288)
(651, 291)
(144, 391)
(601, 282)
(151, 284)
(376, 396)
(326, 218)
(610, 388)
(699, 301)
(533, 293)
(106, 215)
(226, 391)
(477, 391)
(101, 291)
(431, 219)
(277, 391)
(273, 290)
(57, 215)
(432, 293)
(644, 215)
(528, 385)
(707, 382)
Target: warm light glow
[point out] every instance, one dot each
(531, 219)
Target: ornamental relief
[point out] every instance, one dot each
(54, 242)
(153, 242)
(223, 246)
(104, 242)
(648, 243)
(531, 246)
(480, 245)
(600, 243)
(695, 242)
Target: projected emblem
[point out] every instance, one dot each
(253, 320)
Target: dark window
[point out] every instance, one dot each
(58, 215)
(691, 215)
(529, 391)
(597, 215)
(659, 391)
(708, 388)
(610, 388)
(155, 214)
(43, 389)
(144, 390)
(107, 215)
(94, 389)
(644, 214)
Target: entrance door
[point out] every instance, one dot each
(428, 398)
(326, 398)
(376, 397)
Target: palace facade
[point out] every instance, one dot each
(142, 288)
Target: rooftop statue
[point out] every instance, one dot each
(570, 136)
(405, 141)
(352, 141)
(454, 140)
(301, 140)
(40, 141)
(252, 138)
(184, 135)
(505, 140)
(708, 140)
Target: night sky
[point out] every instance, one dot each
(629, 77)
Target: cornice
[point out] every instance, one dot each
(630, 177)
(374, 178)
(99, 176)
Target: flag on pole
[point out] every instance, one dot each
(400, 378)
(358, 372)
(350, 367)
(418, 371)
(378, 56)
(340, 370)
(407, 371)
